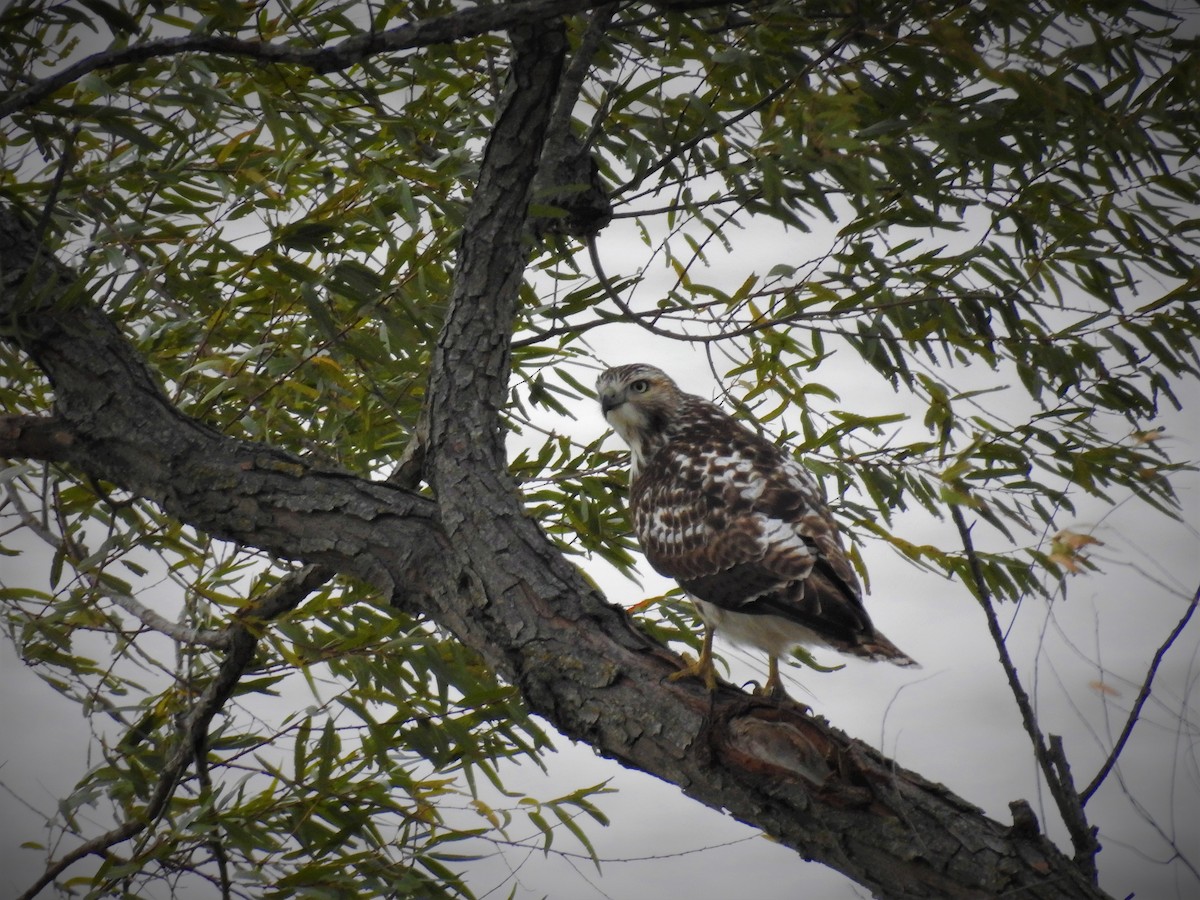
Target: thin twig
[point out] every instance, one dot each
(1142, 697)
(65, 162)
(208, 637)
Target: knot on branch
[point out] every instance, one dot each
(1025, 821)
(568, 195)
(759, 736)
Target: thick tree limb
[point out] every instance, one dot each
(474, 562)
(35, 437)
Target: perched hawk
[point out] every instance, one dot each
(738, 523)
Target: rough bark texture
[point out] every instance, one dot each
(472, 560)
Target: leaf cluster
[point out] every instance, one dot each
(989, 209)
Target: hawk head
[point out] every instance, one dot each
(638, 402)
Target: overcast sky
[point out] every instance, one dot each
(953, 721)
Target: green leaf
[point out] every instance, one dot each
(114, 17)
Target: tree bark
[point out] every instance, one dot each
(472, 561)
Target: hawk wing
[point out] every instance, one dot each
(741, 525)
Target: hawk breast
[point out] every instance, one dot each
(729, 515)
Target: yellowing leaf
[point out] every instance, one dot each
(642, 605)
(1073, 540)
(1065, 561)
(1065, 547)
(1146, 437)
(487, 812)
(327, 363)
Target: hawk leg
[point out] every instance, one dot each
(702, 667)
(773, 689)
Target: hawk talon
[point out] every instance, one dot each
(699, 668)
(766, 691)
(696, 669)
(773, 689)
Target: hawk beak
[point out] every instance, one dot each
(609, 402)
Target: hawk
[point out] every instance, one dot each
(739, 524)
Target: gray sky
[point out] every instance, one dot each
(953, 721)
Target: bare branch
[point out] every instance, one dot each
(576, 73)
(1142, 697)
(97, 846)
(218, 640)
(1051, 760)
(207, 637)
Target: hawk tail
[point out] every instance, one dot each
(878, 648)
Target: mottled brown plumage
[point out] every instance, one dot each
(738, 523)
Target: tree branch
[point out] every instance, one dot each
(1052, 761)
(208, 637)
(45, 438)
(466, 23)
(1143, 695)
(241, 641)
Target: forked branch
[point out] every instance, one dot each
(1050, 759)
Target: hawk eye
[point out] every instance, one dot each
(640, 386)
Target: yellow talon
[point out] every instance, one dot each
(773, 689)
(702, 667)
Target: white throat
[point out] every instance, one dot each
(630, 424)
